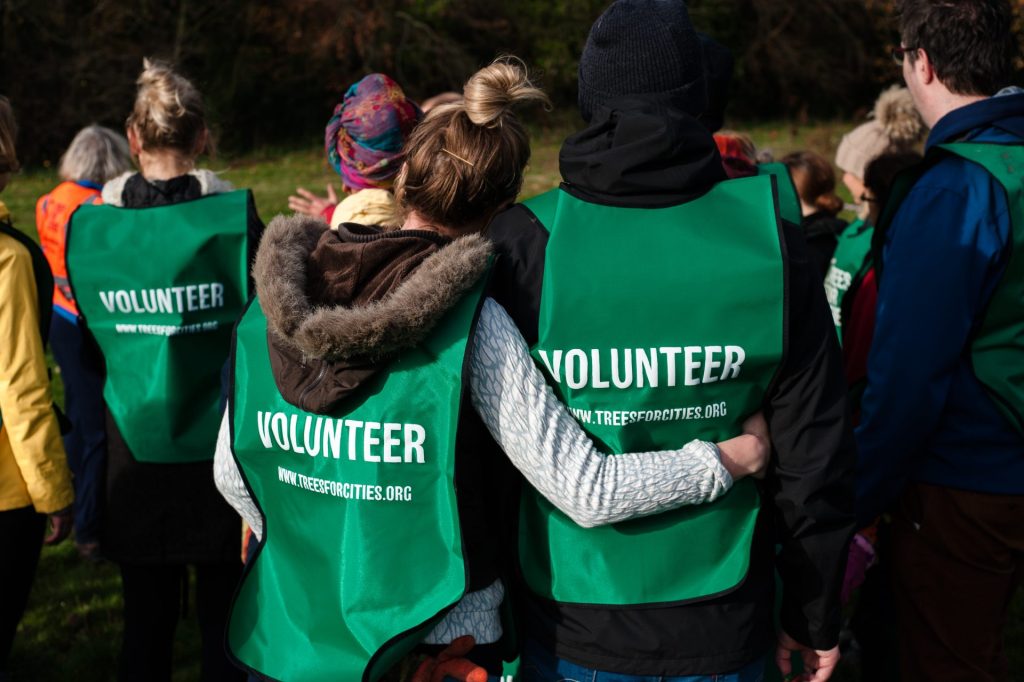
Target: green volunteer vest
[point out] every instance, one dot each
(657, 326)
(997, 351)
(850, 262)
(362, 547)
(789, 200)
(160, 289)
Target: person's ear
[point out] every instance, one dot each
(924, 68)
(202, 142)
(134, 146)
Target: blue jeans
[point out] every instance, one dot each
(540, 665)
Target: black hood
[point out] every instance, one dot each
(637, 153)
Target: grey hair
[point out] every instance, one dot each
(97, 154)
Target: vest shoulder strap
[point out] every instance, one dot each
(544, 206)
(789, 200)
(1005, 162)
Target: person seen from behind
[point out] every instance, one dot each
(363, 142)
(159, 273)
(594, 609)
(409, 336)
(852, 269)
(895, 126)
(35, 483)
(815, 183)
(95, 155)
(895, 129)
(941, 439)
(852, 280)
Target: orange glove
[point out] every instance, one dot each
(451, 662)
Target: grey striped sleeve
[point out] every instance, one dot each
(229, 480)
(557, 457)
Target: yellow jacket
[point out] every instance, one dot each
(33, 466)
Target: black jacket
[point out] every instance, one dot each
(635, 155)
(821, 231)
(167, 513)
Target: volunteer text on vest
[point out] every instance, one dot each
(644, 367)
(367, 440)
(176, 299)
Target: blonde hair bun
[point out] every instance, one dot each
(495, 90)
(168, 111)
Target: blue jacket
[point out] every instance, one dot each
(925, 417)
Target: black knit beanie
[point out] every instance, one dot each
(643, 47)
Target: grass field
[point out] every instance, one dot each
(72, 628)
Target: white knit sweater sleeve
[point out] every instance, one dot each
(558, 458)
(229, 481)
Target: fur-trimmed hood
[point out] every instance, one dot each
(339, 304)
(896, 112)
(113, 193)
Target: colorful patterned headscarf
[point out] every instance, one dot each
(365, 135)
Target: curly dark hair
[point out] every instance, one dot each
(970, 42)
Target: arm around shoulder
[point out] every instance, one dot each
(229, 481)
(558, 458)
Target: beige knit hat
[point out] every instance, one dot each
(897, 126)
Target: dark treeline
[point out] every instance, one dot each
(271, 71)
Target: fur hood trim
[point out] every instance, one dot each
(400, 320)
(899, 118)
(209, 182)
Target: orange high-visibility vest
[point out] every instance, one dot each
(53, 211)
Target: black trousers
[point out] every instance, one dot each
(21, 536)
(153, 597)
(81, 367)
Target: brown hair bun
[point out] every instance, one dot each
(466, 159)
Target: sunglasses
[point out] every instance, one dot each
(898, 53)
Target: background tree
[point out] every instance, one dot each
(271, 70)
